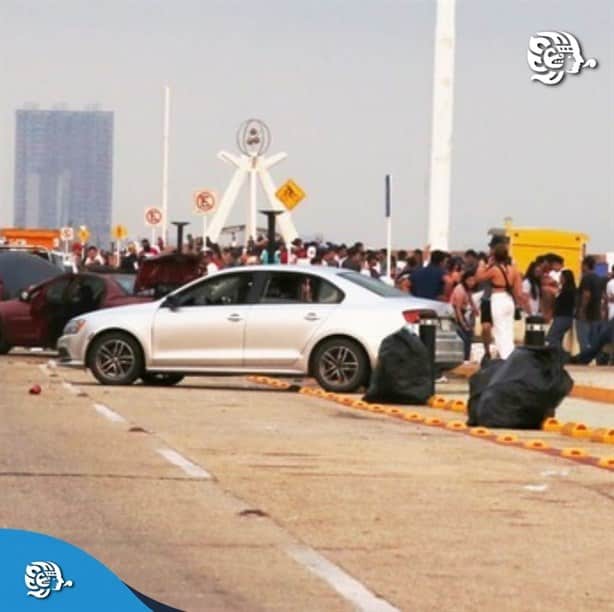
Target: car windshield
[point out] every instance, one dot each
(372, 284)
(126, 282)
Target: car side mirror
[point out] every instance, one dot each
(172, 302)
(24, 295)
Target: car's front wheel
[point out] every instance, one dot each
(161, 379)
(340, 365)
(115, 358)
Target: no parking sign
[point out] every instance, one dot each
(153, 216)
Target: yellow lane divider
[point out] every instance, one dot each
(571, 429)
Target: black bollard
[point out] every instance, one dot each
(535, 331)
(271, 246)
(180, 225)
(428, 334)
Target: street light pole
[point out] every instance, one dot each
(443, 112)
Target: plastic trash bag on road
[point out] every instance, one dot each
(520, 392)
(403, 373)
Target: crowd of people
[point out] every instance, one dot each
(482, 285)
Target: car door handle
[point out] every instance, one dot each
(312, 316)
(235, 317)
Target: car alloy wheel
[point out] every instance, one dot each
(115, 358)
(340, 365)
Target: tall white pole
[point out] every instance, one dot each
(251, 215)
(443, 112)
(167, 113)
(388, 229)
(204, 230)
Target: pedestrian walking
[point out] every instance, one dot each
(465, 310)
(564, 308)
(506, 294)
(588, 314)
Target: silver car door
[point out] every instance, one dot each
(291, 309)
(204, 324)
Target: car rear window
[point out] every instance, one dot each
(372, 284)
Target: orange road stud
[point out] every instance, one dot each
(458, 406)
(535, 445)
(438, 402)
(434, 421)
(361, 405)
(416, 417)
(574, 452)
(576, 430)
(507, 439)
(606, 462)
(396, 412)
(347, 401)
(603, 435)
(480, 432)
(456, 425)
(552, 424)
(376, 408)
(331, 396)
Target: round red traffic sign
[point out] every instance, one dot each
(153, 216)
(205, 201)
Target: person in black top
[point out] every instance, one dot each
(588, 315)
(564, 308)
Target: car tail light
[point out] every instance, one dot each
(411, 316)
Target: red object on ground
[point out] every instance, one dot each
(35, 389)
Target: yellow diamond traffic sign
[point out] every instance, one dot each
(120, 232)
(290, 194)
(83, 234)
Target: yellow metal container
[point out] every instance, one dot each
(527, 243)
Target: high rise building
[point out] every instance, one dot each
(64, 170)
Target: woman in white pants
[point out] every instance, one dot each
(506, 294)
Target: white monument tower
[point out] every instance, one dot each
(253, 140)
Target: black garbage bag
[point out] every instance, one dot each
(520, 392)
(403, 372)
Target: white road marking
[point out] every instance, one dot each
(191, 469)
(52, 363)
(71, 388)
(43, 369)
(547, 473)
(349, 588)
(107, 413)
(538, 488)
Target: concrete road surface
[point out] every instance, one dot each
(220, 494)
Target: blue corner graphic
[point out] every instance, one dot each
(44, 574)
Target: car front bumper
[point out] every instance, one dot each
(71, 351)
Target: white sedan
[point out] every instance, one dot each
(276, 319)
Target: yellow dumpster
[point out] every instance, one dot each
(527, 243)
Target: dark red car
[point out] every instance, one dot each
(38, 317)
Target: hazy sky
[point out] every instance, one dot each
(346, 88)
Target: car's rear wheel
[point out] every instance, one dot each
(116, 359)
(340, 365)
(161, 379)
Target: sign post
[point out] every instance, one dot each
(205, 202)
(153, 218)
(67, 234)
(290, 194)
(119, 233)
